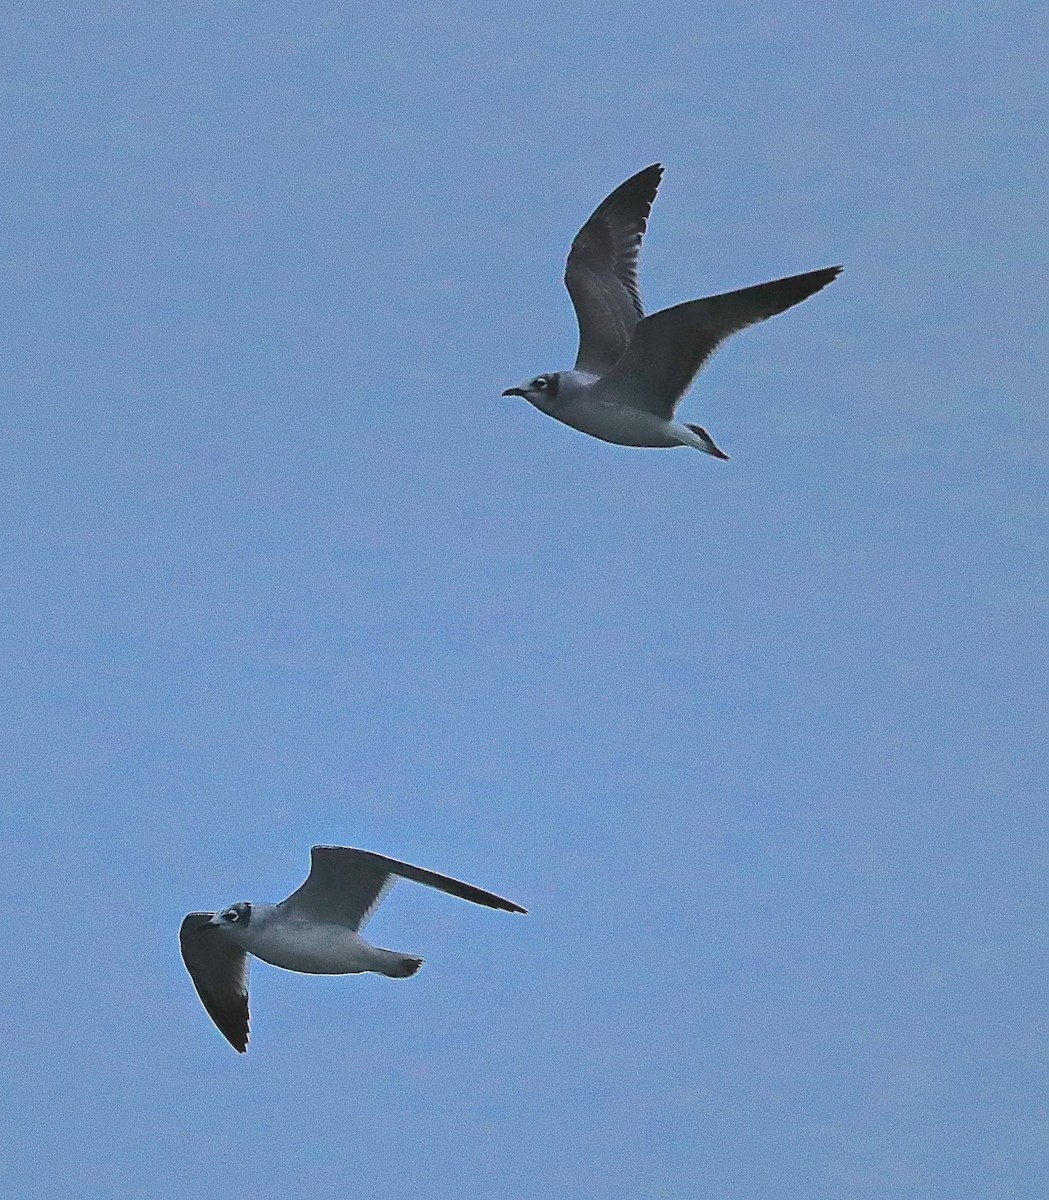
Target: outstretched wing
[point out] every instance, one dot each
(669, 347)
(344, 886)
(219, 970)
(601, 273)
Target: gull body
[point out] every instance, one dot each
(308, 946)
(316, 931)
(631, 371)
(573, 398)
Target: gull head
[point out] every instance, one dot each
(542, 391)
(230, 918)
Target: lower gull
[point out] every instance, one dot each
(316, 930)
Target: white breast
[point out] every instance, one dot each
(617, 423)
(310, 947)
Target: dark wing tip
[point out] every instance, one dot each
(781, 294)
(468, 891)
(505, 905)
(640, 186)
(654, 172)
(820, 278)
(231, 1020)
(465, 891)
(638, 192)
(239, 1040)
(631, 201)
(445, 883)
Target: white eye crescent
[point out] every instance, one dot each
(231, 914)
(540, 384)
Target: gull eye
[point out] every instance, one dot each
(231, 914)
(540, 384)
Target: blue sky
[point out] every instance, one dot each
(761, 745)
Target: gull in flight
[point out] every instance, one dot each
(316, 930)
(631, 370)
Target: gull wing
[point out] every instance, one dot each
(344, 886)
(669, 347)
(601, 273)
(219, 970)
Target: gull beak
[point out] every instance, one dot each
(515, 392)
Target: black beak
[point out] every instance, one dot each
(515, 392)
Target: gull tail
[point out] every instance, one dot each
(707, 442)
(405, 966)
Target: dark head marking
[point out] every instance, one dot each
(546, 384)
(238, 914)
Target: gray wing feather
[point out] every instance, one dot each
(219, 970)
(669, 347)
(601, 273)
(344, 886)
